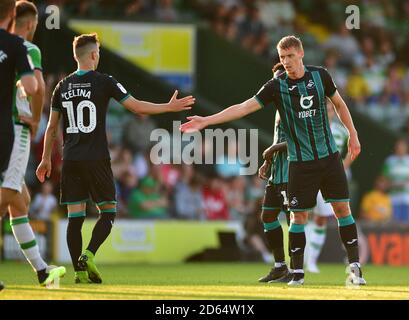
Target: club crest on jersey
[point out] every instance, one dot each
(310, 84)
(306, 102)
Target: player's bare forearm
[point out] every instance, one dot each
(234, 112)
(37, 106)
(237, 111)
(269, 152)
(346, 119)
(45, 167)
(231, 113)
(145, 107)
(354, 146)
(343, 113)
(50, 135)
(49, 140)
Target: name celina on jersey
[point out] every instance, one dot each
(83, 98)
(77, 93)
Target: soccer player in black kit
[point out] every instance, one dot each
(82, 100)
(13, 60)
(299, 95)
(15, 197)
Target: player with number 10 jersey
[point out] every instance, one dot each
(82, 100)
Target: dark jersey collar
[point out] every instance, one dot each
(81, 72)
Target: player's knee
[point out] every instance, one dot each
(341, 209)
(268, 216)
(106, 207)
(18, 206)
(16, 213)
(108, 212)
(299, 217)
(76, 208)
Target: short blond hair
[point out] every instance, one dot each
(290, 42)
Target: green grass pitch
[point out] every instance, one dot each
(205, 281)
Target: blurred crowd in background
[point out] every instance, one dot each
(369, 66)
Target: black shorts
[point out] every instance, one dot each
(84, 180)
(6, 146)
(275, 197)
(308, 177)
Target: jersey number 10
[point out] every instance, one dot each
(79, 126)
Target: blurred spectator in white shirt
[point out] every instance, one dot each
(44, 202)
(165, 11)
(344, 43)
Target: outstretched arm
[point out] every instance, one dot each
(354, 147)
(233, 112)
(144, 107)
